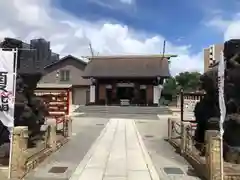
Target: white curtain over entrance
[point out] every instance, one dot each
(92, 93)
(157, 91)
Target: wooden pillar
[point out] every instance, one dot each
(149, 94)
(102, 92)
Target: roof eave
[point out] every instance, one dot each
(65, 58)
(168, 56)
(112, 77)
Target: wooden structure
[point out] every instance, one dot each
(58, 100)
(187, 101)
(134, 79)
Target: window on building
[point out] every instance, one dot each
(64, 75)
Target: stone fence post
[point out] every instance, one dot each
(213, 157)
(18, 155)
(52, 138)
(183, 144)
(170, 128)
(67, 126)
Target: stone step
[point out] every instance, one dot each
(124, 110)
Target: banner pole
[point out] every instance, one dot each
(14, 93)
(222, 107)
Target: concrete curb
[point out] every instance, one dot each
(151, 168)
(78, 171)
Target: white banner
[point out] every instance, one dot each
(222, 107)
(7, 87)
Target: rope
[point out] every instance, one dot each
(190, 137)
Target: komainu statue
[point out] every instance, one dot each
(29, 110)
(207, 111)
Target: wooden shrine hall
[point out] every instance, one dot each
(127, 80)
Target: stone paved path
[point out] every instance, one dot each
(169, 164)
(118, 154)
(126, 149)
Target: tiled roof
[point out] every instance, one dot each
(127, 66)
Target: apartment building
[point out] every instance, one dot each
(212, 55)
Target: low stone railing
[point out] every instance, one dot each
(180, 135)
(25, 159)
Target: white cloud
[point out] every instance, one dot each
(233, 29)
(127, 1)
(27, 19)
(218, 22)
(229, 27)
(114, 4)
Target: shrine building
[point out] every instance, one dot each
(126, 80)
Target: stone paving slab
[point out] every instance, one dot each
(162, 154)
(125, 160)
(85, 131)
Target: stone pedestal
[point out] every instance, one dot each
(213, 155)
(18, 155)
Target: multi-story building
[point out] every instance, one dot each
(212, 55)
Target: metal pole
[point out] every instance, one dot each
(11, 131)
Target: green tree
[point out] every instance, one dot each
(170, 86)
(188, 80)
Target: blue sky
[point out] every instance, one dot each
(125, 26)
(181, 22)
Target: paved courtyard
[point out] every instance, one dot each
(108, 148)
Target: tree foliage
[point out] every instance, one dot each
(188, 81)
